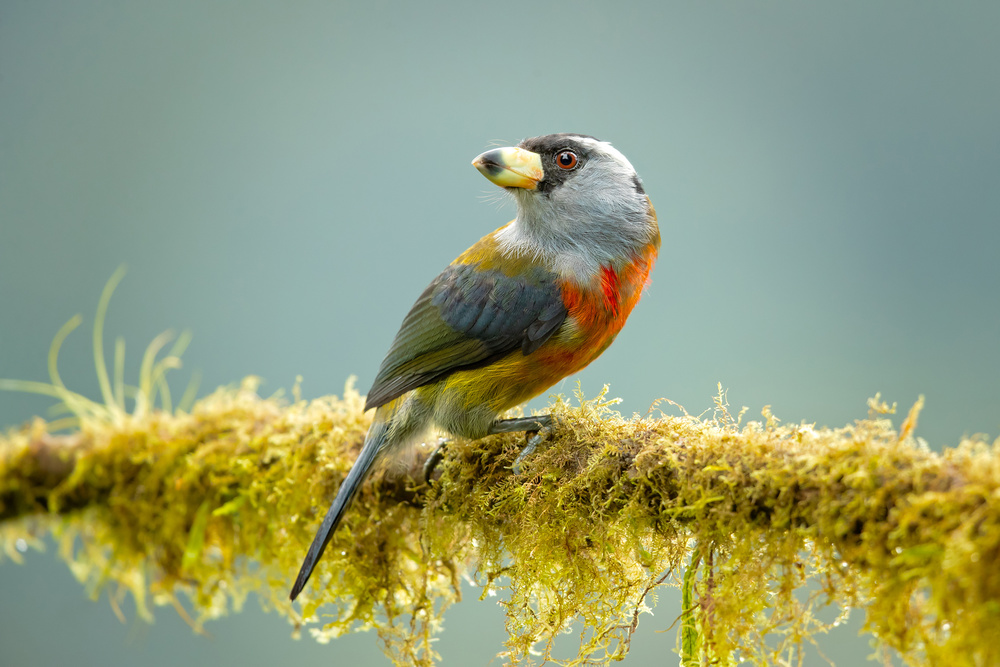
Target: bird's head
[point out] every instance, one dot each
(575, 194)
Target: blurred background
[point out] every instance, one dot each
(285, 178)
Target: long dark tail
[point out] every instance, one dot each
(369, 453)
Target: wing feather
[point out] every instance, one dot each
(468, 317)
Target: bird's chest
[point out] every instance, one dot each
(598, 308)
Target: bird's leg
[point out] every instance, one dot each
(529, 424)
(435, 458)
(536, 429)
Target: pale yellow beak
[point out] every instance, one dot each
(511, 167)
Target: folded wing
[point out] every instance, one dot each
(468, 317)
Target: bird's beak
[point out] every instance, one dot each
(511, 167)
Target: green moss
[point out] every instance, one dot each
(764, 526)
(212, 504)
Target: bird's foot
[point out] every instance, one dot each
(536, 429)
(435, 458)
(534, 438)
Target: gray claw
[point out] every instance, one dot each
(533, 442)
(434, 459)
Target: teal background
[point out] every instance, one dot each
(284, 179)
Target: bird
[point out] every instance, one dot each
(527, 305)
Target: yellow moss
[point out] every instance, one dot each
(215, 503)
(762, 525)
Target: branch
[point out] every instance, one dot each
(223, 500)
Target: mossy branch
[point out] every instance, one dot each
(224, 500)
(761, 525)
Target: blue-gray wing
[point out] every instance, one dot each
(466, 318)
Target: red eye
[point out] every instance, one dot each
(566, 159)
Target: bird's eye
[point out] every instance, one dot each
(566, 159)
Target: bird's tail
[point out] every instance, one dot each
(374, 442)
